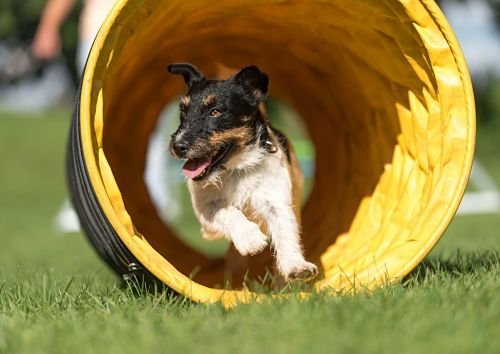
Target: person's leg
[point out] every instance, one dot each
(66, 220)
(156, 174)
(82, 52)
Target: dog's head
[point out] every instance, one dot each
(216, 117)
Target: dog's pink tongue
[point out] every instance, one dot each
(194, 167)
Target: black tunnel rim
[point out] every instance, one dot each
(94, 222)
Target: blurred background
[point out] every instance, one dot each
(42, 50)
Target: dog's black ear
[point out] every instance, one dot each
(254, 80)
(190, 73)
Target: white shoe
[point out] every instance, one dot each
(66, 220)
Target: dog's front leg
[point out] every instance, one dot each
(285, 238)
(229, 221)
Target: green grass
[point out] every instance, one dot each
(56, 296)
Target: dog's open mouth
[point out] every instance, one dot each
(197, 168)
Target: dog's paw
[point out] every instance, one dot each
(210, 235)
(250, 242)
(302, 270)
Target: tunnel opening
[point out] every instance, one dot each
(376, 99)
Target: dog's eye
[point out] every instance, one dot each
(215, 113)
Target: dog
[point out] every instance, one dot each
(242, 174)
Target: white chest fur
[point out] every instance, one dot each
(255, 186)
(264, 180)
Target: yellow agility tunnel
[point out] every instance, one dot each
(381, 85)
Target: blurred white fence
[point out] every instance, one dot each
(486, 196)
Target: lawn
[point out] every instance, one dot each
(56, 296)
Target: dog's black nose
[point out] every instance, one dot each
(180, 148)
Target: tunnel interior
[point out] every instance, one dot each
(375, 100)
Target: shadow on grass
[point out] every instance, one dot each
(431, 271)
(458, 266)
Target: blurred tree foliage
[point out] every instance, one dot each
(488, 102)
(19, 20)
